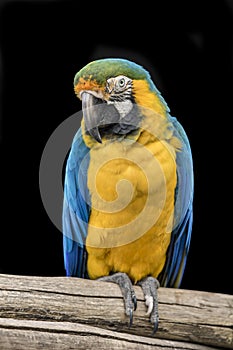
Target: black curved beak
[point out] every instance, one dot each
(91, 116)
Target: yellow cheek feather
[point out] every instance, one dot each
(145, 97)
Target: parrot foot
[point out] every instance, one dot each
(149, 286)
(127, 291)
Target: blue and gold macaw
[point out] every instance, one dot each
(128, 189)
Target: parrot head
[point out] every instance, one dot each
(113, 92)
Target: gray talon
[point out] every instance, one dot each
(149, 286)
(125, 284)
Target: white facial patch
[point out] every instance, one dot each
(123, 107)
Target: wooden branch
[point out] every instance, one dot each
(72, 313)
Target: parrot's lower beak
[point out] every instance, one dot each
(91, 116)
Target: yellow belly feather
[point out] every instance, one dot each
(132, 185)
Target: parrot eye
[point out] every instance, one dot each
(119, 88)
(121, 83)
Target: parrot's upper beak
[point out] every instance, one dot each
(91, 114)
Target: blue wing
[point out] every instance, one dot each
(172, 273)
(76, 211)
(76, 208)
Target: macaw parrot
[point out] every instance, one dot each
(128, 186)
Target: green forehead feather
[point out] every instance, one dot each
(103, 69)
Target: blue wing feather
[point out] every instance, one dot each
(76, 208)
(173, 271)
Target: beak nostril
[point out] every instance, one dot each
(108, 90)
(109, 86)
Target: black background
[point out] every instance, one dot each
(188, 49)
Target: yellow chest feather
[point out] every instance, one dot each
(132, 185)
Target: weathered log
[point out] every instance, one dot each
(71, 313)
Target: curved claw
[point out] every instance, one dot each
(134, 299)
(130, 317)
(156, 324)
